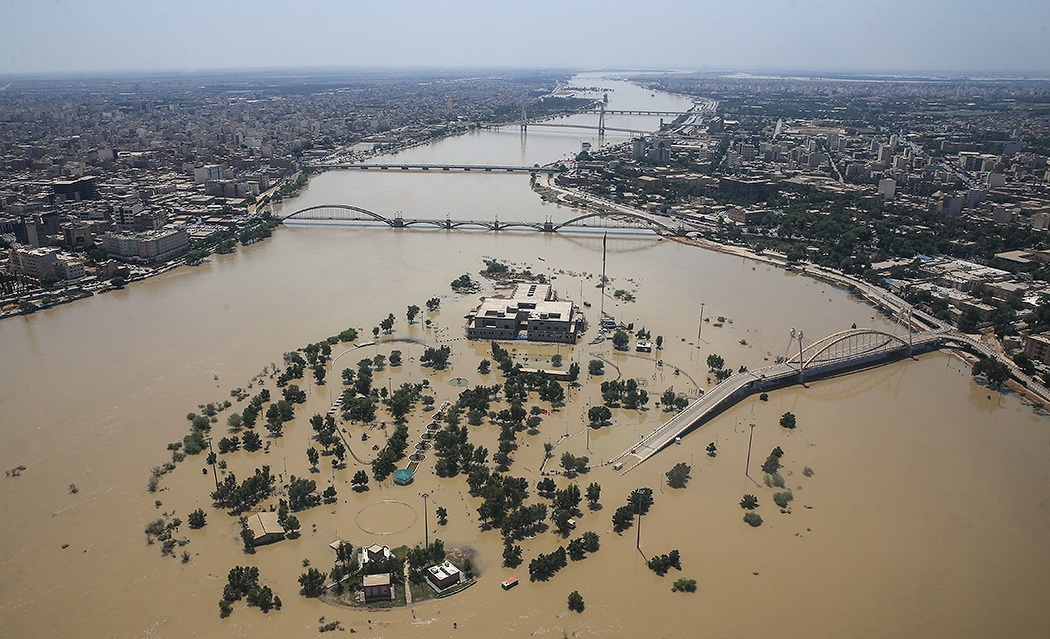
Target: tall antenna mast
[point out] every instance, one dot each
(601, 285)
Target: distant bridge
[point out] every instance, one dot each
(479, 168)
(351, 214)
(843, 352)
(599, 128)
(642, 112)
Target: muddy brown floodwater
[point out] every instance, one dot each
(925, 514)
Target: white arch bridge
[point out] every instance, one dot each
(346, 213)
(839, 353)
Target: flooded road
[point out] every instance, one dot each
(925, 515)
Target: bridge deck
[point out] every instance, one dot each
(740, 385)
(480, 168)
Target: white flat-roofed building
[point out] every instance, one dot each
(533, 312)
(35, 262)
(148, 246)
(443, 576)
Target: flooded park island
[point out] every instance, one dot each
(331, 431)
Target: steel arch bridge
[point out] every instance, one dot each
(846, 346)
(646, 221)
(350, 213)
(336, 212)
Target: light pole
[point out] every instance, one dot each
(700, 329)
(426, 531)
(747, 464)
(214, 473)
(638, 505)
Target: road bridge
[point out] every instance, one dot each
(599, 128)
(346, 213)
(639, 112)
(478, 168)
(840, 353)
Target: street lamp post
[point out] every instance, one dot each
(426, 527)
(747, 464)
(214, 473)
(638, 504)
(700, 329)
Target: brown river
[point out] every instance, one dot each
(925, 514)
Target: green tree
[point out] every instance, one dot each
(246, 536)
(594, 493)
(623, 518)
(641, 499)
(678, 475)
(621, 340)
(575, 601)
(560, 518)
(329, 495)
(312, 582)
(360, 480)
(753, 519)
(576, 549)
(546, 486)
(387, 324)
(787, 420)
(715, 362)
(599, 414)
(749, 502)
(413, 312)
(574, 372)
(556, 361)
(511, 554)
(442, 515)
(251, 441)
(994, 370)
(596, 367)
(197, 519)
(313, 456)
(684, 585)
(568, 461)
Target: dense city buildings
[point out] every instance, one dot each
(145, 170)
(937, 189)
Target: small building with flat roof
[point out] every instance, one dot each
(443, 576)
(265, 528)
(375, 552)
(378, 587)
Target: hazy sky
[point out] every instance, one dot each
(887, 35)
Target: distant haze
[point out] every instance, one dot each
(1008, 36)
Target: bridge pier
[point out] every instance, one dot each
(548, 227)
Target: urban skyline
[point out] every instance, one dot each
(929, 37)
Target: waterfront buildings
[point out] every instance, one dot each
(148, 247)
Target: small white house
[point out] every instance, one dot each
(443, 576)
(373, 553)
